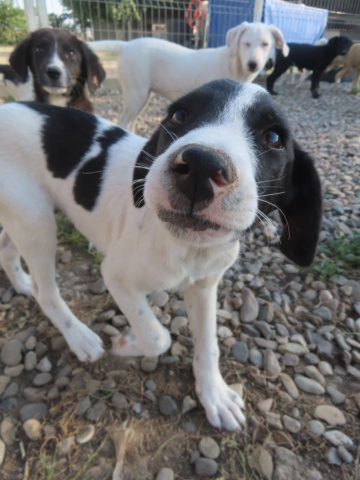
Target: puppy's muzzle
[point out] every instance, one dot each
(197, 171)
(53, 73)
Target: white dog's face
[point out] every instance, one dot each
(203, 182)
(251, 43)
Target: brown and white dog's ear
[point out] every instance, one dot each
(279, 40)
(301, 210)
(233, 38)
(95, 72)
(20, 59)
(141, 168)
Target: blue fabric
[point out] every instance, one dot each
(226, 14)
(298, 23)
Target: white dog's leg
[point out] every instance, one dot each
(132, 108)
(36, 240)
(222, 405)
(147, 336)
(10, 262)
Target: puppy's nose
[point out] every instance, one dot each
(53, 73)
(196, 170)
(252, 66)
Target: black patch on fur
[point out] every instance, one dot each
(89, 178)
(66, 136)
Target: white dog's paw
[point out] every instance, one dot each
(23, 284)
(153, 345)
(85, 343)
(222, 405)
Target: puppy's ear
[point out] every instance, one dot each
(302, 207)
(279, 40)
(20, 59)
(141, 168)
(95, 72)
(233, 38)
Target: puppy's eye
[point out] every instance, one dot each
(265, 44)
(179, 117)
(273, 140)
(247, 44)
(71, 53)
(39, 49)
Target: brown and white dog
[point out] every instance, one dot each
(61, 66)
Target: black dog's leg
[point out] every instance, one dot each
(280, 68)
(315, 83)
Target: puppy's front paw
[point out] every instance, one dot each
(85, 343)
(222, 405)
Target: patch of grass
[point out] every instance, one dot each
(354, 90)
(340, 255)
(67, 233)
(8, 98)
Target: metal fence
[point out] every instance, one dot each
(189, 22)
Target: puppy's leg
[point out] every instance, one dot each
(278, 71)
(315, 83)
(132, 108)
(147, 336)
(222, 405)
(342, 73)
(35, 237)
(354, 88)
(10, 262)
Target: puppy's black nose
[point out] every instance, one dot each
(53, 73)
(252, 66)
(195, 170)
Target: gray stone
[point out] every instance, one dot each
(33, 410)
(178, 325)
(209, 448)
(188, 404)
(290, 359)
(289, 385)
(96, 412)
(167, 406)
(42, 379)
(2, 451)
(308, 385)
(63, 448)
(30, 343)
(264, 406)
(160, 299)
(85, 434)
(11, 391)
(30, 361)
(312, 372)
(11, 353)
(290, 424)
(14, 371)
(324, 313)
(98, 287)
(344, 454)
(332, 457)
(273, 420)
(240, 351)
(316, 428)
(8, 430)
(325, 368)
(271, 365)
(337, 438)
(149, 364)
(4, 382)
(119, 401)
(206, 467)
(83, 406)
(256, 358)
(165, 474)
(294, 348)
(331, 415)
(336, 397)
(250, 307)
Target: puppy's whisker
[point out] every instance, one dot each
(148, 154)
(271, 180)
(280, 211)
(271, 194)
(171, 134)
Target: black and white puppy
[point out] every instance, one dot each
(61, 67)
(166, 212)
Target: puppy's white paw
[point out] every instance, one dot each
(85, 343)
(153, 345)
(23, 285)
(222, 405)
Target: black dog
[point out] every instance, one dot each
(310, 57)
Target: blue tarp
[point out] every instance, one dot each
(298, 23)
(226, 14)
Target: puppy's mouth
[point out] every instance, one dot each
(187, 221)
(56, 90)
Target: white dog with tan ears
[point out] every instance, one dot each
(151, 65)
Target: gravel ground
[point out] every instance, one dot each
(290, 340)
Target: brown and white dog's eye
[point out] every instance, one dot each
(70, 54)
(39, 49)
(179, 117)
(272, 139)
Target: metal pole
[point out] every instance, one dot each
(258, 9)
(31, 19)
(42, 12)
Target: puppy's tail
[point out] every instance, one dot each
(112, 46)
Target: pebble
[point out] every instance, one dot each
(32, 428)
(119, 401)
(312, 372)
(42, 379)
(337, 438)
(149, 364)
(289, 385)
(33, 410)
(85, 434)
(4, 382)
(165, 474)
(262, 461)
(325, 368)
(209, 448)
(206, 467)
(96, 412)
(160, 299)
(2, 451)
(290, 424)
(30, 360)
(316, 427)
(331, 415)
(250, 307)
(332, 457)
(8, 430)
(63, 448)
(178, 325)
(294, 348)
(308, 385)
(271, 365)
(240, 351)
(344, 454)
(14, 371)
(264, 406)
(256, 358)
(188, 404)
(273, 420)
(11, 353)
(167, 406)
(336, 396)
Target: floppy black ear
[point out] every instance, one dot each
(95, 72)
(302, 206)
(141, 168)
(19, 59)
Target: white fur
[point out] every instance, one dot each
(140, 253)
(151, 65)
